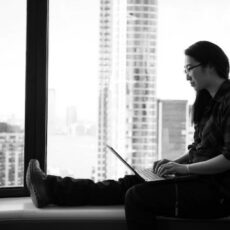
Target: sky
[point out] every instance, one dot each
(12, 58)
(74, 50)
(180, 24)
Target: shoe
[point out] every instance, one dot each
(35, 181)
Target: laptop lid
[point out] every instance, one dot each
(125, 162)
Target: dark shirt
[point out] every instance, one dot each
(212, 135)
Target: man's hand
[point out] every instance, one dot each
(172, 168)
(157, 164)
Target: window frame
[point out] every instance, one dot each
(36, 81)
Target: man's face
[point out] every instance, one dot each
(195, 73)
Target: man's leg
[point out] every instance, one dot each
(189, 199)
(68, 191)
(71, 192)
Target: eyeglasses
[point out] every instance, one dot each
(187, 69)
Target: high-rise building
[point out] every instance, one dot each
(190, 127)
(71, 119)
(173, 128)
(105, 63)
(127, 103)
(71, 115)
(11, 156)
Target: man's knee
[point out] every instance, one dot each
(132, 204)
(133, 196)
(129, 195)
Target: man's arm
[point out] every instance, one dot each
(215, 165)
(184, 159)
(212, 166)
(181, 160)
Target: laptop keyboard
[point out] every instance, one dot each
(148, 175)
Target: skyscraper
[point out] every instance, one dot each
(127, 103)
(71, 115)
(11, 155)
(105, 75)
(173, 128)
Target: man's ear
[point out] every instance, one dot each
(211, 68)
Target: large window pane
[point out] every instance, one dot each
(73, 77)
(116, 77)
(12, 91)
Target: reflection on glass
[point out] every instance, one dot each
(12, 91)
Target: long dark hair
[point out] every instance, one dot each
(208, 54)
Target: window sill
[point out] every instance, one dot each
(14, 208)
(20, 213)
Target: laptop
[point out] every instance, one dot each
(148, 174)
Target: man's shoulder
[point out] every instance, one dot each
(225, 102)
(226, 94)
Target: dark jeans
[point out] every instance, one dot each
(196, 198)
(74, 192)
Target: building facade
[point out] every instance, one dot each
(11, 159)
(105, 69)
(174, 128)
(127, 92)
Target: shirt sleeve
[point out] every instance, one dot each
(226, 130)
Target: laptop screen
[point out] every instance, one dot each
(125, 162)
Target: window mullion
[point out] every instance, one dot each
(36, 81)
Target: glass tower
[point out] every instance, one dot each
(127, 97)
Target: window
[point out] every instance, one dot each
(12, 92)
(23, 57)
(93, 51)
(74, 43)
